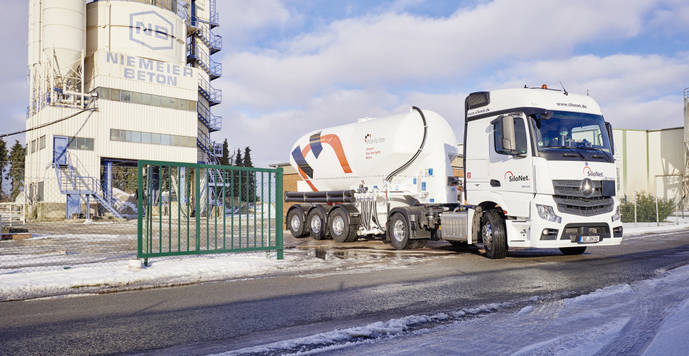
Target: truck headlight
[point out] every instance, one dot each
(616, 216)
(546, 212)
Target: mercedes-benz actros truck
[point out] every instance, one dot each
(539, 173)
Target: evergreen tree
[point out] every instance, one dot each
(225, 159)
(238, 160)
(237, 188)
(247, 158)
(17, 155)
(3, 163)
(251, 182)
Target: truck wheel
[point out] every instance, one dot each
(568, 251)
(338, 225)
(493, 235)
(295, 223)
(399, 232)
(315, 222)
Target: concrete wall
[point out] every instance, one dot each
(649, 161)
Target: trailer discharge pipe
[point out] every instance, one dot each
(418, 152)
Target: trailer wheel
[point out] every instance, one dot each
(399, 231)
(315, 222)
(493, 234)
(339, 226)
(568, 251)
(295, 222)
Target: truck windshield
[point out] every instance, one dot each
(569, 130)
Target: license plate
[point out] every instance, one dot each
(588, 239)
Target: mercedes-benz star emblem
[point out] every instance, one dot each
(586, 187)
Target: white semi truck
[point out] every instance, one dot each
(539, 166)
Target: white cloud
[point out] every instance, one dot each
(275, 132)
(240, 18)
(634, 91)
(395, 48)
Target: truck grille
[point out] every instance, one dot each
(571, 200)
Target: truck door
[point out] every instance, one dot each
(511, 171)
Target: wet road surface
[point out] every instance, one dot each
(220, 316)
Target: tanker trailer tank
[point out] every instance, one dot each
(378, 167)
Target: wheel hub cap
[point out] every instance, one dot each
(487, 234)
(295, 222)
(398, 230)
(338, 225)
(316, 224)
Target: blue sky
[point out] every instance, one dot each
(296, 65)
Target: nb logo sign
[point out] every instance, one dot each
(151, 30)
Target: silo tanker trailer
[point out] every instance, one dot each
(539, 166)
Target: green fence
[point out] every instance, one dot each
(190, 209)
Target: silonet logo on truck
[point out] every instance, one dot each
(510, 177)
(588, 172)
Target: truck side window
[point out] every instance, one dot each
(519, 133)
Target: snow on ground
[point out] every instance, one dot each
(56, 273)
(649, 317)
(673, 223)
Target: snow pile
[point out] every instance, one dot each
(344, 337)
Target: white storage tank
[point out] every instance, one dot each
(686, 116)
(369, 151)
(63, 32)
(136, 29)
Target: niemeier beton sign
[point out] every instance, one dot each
(149, 70)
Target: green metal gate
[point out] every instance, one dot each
(190, 209)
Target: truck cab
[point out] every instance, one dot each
(539, 172)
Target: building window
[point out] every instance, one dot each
(41, 143)
(146, 99)
(152, 138)
(81, 143)
(33, 146)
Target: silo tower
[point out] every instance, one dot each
(113, 82)
(685, 195)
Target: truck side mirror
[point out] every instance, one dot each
(610, 136)
(508, 136)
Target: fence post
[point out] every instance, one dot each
(635, 220)
(140, 212)
(197, 206)
(278, 213)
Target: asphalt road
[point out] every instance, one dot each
(221, 316)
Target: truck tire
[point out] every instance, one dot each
(569, 251)
(295, 222)
(339, 226)
(493, 234)
(398, 229)
(316, 224)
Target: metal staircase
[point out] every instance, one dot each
(204, 61)
(71, 183)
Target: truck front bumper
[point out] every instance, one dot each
(567, 231)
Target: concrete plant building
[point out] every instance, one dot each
(113, 82)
